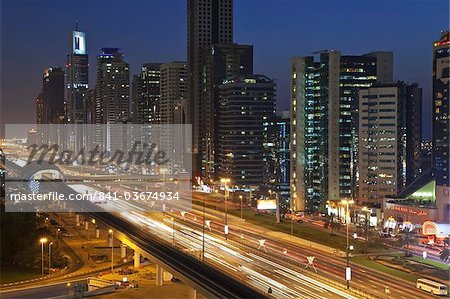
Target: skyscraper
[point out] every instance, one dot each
(173, 111)
(441, 109)
(146, 96)
(246, 103)
(77, 79)
(208, 22)
(112, 98)
(53, 94)
(222, 62)
(113, 87)
(324, 123)
(173, 92)
(41, 110)
(282, 154)
(389, 139)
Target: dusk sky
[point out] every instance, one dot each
(35, 35)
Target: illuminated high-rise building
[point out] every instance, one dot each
(112, 95)
(389, 139)
(146, 96)
(208, 22)
(113, 87)
(173, 92)
(222, 62)
(53, 94)
(247, 105)
(441, 110)
(41, 110)
(324, 122)
(77, 79)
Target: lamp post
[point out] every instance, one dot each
(173, 230)
(347, 203)
(225, 181)
(240, 198)
(366, 222)
(49, 256)
(68, 286)
(111, 233)
(292, 225)
(42, 241)
(204, 224)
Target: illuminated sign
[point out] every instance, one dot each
(269, 204)
(79, 42)
(407, 210)
(429, 228)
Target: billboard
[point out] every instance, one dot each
(79, 42)
(268, 204)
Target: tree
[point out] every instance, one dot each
(444, 255)
(407, 238)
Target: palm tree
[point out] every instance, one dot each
(407, 238)
(445, 255)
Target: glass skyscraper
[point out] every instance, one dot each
(324, 123)
(441, 109)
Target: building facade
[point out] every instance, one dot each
(208, 22)
(246, 103)
(324, 106)
(222, 62)
(53, 94)
(112, 95)
(280, 155)
(113, 87)
(173, 111)
(173, 92)
(389, 140)
(77, 79)
(146, 95)
(441, 109)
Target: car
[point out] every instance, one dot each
(67, 235)
(62, 229)
(53, 222)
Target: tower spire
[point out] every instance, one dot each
(76, 25)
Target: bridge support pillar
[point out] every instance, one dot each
(77, 219)
(86, 225)
(123, 251)
(137, 258)
(192, 294)
(97, 233)
(159, 275)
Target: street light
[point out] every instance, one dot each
(366, 222)
(111, 233)
(225, 181)
(68, 286)
(173, 230)
(240, 198)
(347, 250)
(204, 226)
(49, 255)
(42, 241)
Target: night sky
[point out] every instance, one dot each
(35, 35)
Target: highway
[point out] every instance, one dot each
(57, 289)
(250, 267)
(241, 258)
(248, 236)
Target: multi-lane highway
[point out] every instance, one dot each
(276, 265)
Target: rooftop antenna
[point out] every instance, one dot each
(76, 25)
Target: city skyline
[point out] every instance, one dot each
(171, 44)
(228, 148)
